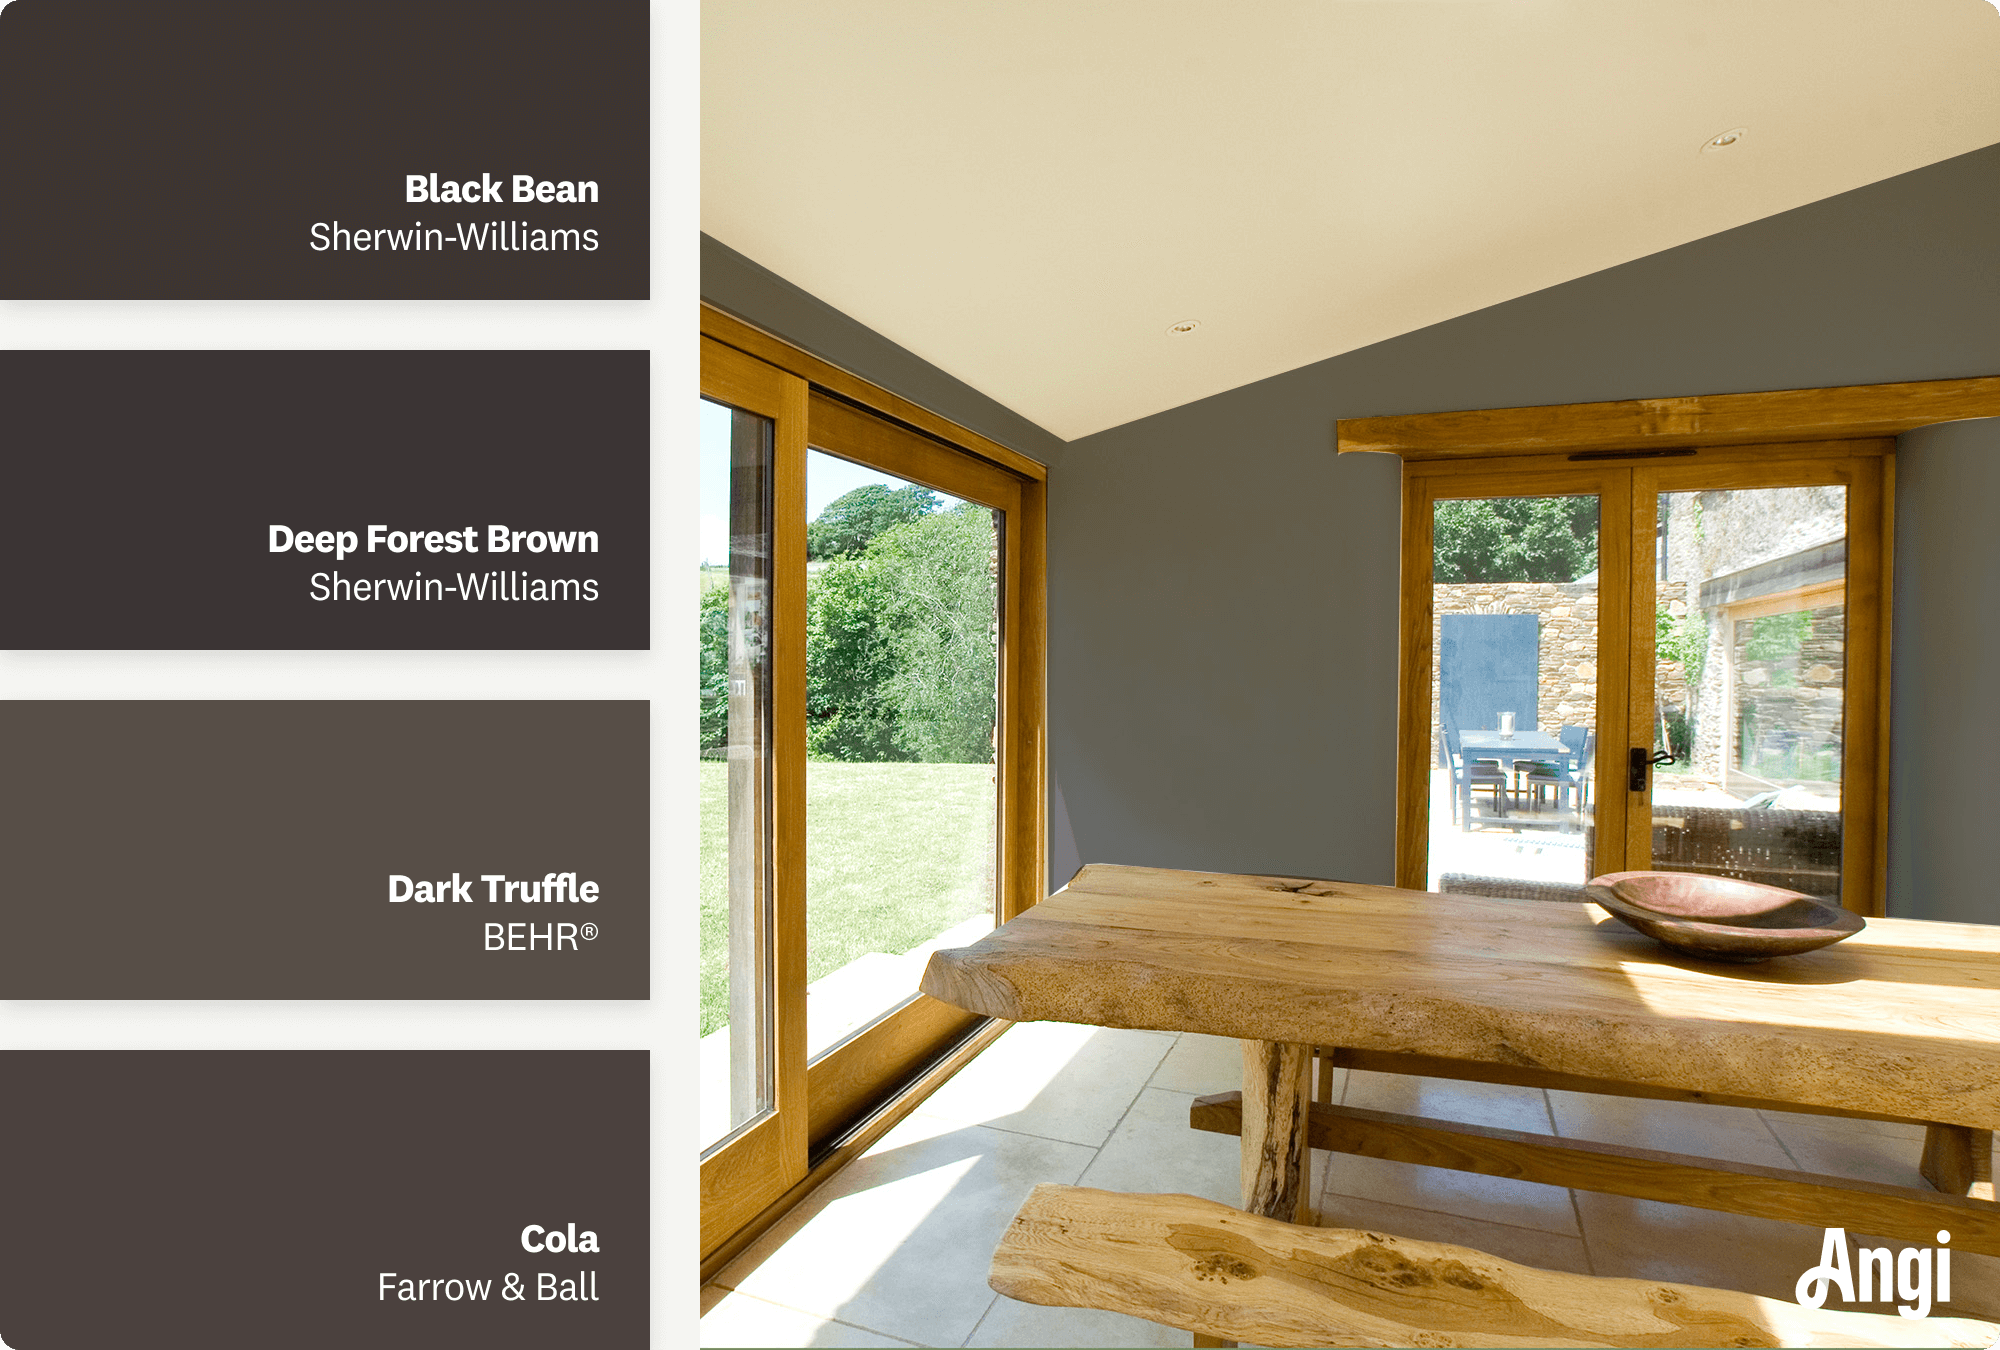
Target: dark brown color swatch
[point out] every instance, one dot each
(142, 493)
(249, 850)
(250, 1200)
(240, 149)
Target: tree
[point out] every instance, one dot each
(1515, 539)
(851, 654)
(901, 654)
(851, 520)
(939, 579)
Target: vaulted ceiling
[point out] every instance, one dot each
(1031, 194)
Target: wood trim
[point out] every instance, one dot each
(1841, 412)
(1645, 1174)
(1619, 694)
(1413, 747)
(1864, 732)
(1866, 448)
(746, 1173)
(1884, 643)
(1024, 824)
(843, 430)
(1641, 641)
(788, 770)
(734, 332)
(843, 1084)
(737, 1180)
(864, 1137)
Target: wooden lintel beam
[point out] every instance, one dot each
(1841, 413)
(1644, 1174)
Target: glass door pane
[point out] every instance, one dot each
(1514, 719)
(736, 892)
(1750, 693)
(902, 702)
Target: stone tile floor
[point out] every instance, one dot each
(894, 1250)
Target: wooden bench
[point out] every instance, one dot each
(1227, 1275)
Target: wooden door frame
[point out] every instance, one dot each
(749, 1171)
(1836, 423)
(856, 1085)
(1423, 486)
(1868, 479)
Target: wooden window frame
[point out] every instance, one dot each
(822, 1108)
(1842, 433)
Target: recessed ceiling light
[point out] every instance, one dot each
(1184, 326)
(1725, 140)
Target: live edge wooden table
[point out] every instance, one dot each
(1901, 1022)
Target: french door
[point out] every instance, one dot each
(1673, 662)
(870, 752)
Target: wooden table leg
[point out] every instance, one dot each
(1958, 1160)
(1277, 1165)
(1277, 1099)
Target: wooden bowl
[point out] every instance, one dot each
(1720, 918)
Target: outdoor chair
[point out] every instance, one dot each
(1468, 776)
(1566, 782)
(1227, 1276)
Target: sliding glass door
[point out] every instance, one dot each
(1672, 666)
(870, 758)
(1763, 714)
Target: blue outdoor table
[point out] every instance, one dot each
(1535, 746)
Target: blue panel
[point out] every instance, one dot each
(1488, 663)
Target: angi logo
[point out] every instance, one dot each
(1912, 1275)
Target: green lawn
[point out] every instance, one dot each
(895, 854)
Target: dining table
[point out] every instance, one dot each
(1510, 747)
(1899, 1022)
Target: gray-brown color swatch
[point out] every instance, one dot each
(253, 1200)
(251, 850)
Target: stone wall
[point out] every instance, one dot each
(1568, 614)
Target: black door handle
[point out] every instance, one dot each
(1643, 759)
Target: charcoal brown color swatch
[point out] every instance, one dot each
(325, 500)
(375, 149)
(324, 850)
(241, 1200)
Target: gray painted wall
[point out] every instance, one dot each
(1945, 692)
(1223, 587)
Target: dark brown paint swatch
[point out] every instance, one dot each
(240, 149)
(245, 1200)
(325, 500)
(324, 850)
